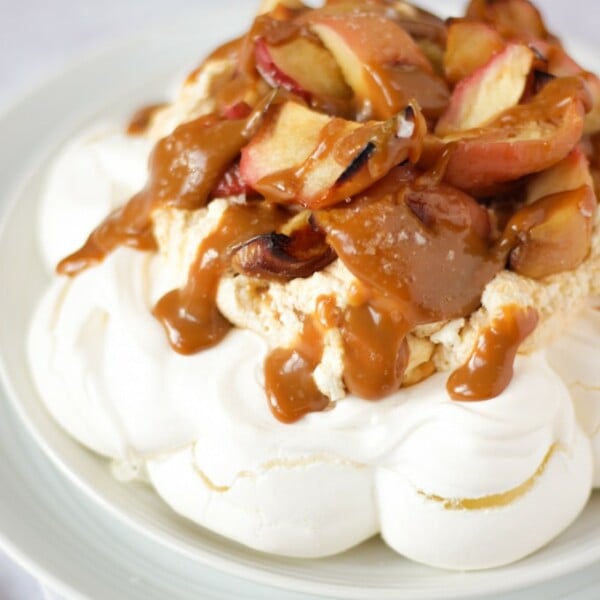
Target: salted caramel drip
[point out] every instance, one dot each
(190, 315)
(184, 168)
(141, 119)
(426, 249)
(375, 350)
(289, 383)
(398, 84)
(489, 369)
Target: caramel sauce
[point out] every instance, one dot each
(393, 86)
(289, 384)
(375, 350)
(190, 315)
(407, 244)
(141, 119)
(489, 369)
(184, 169)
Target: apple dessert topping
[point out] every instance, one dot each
(379, 174)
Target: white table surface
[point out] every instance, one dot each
(38, 37)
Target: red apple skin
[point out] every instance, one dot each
(372, 51)
(521, 141)
(496, 86)
(271, 73)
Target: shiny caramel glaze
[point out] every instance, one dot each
(289, 384)
(190, 315)
(375, 349)
(489, 369)
(408, 243)
(405, 244)
(184, 169)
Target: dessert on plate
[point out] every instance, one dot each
(345, 283)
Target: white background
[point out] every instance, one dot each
(38, 37)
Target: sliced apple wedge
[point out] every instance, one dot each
(523, 140)
(560, 64)
(470, 45)
(301, 66)
(514, 19)
(367, 46)
(304, 157)
(554, 233)
(569, 174)
(490, 90)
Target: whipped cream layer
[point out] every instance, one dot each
(450, 484)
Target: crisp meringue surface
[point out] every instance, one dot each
(575, 357)
(202, 426)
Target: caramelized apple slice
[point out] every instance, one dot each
(512, 18)
(371, 50)
(307, 158)
(470, 45)
(284, 256)
(525, 139)
(560, 64)
(554, 233)
(569, 174)
(409, 242)
(491, 89)
(301, 66)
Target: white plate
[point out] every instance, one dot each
(63, 523)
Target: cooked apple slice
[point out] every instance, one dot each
(491, 89)
(288, 136)
(367, 46)
(301, 156)
(470, 45)
(512, 18)
(569, 174)
(301, 66)
(525, 139)
(554, 233)
(560, 64)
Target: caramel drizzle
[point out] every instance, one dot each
(489, 369)
(289, 383)
(184, 169)
(190, 315)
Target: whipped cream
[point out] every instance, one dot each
(449, 484)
